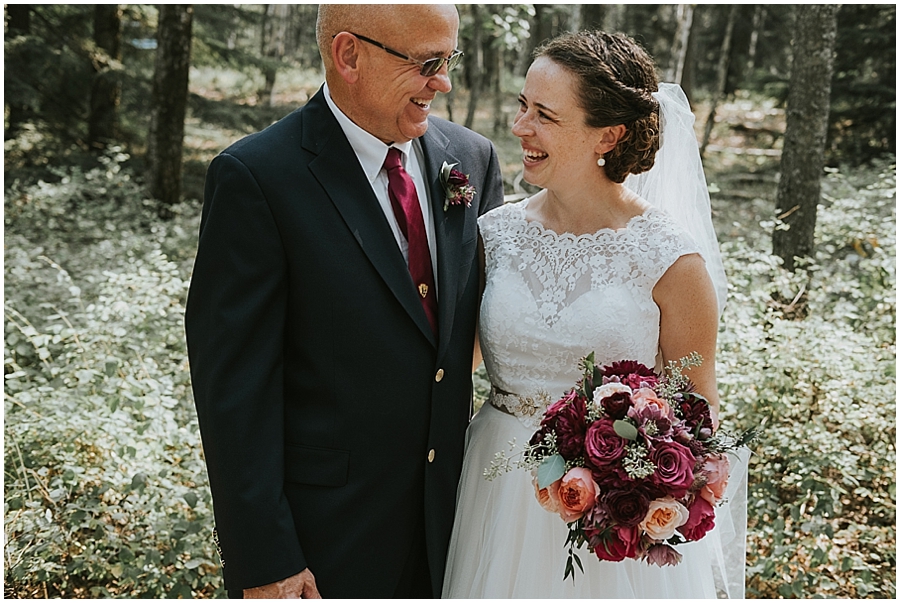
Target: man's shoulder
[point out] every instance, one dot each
(272, 139)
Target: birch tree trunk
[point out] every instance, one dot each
(169, 105)
(106, 89)
(759, 19)
(803, 157)
(685, 18)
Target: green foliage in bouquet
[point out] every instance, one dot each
(105, 486)
(822, 502)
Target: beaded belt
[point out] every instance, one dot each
(524, 407)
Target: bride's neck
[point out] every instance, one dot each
(580, 211)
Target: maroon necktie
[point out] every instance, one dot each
(405, 203)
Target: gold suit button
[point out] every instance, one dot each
(439, 375)
(431, 455)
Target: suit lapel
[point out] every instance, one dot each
(448, 228)
(343, 180)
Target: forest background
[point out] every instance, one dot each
(112, 113)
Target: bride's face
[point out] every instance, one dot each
(559, 149)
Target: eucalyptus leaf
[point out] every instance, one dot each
(625, 430)
(551, 469)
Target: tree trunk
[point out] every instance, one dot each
(614, 18)
(497, 78)
(18, 24)
(759, 19)
(105, 89)
(685, 18)
(274, 38)
(721, 77)
(592, 16)
(476, 75)
(803, 157)
(169, 104)
(535, 37)
(575, 18)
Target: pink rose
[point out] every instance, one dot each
(620, 542)
(715, 468)
(577, 493)
(647, 397)
(547, 497)
(674, 467)
(663, 554)
(665, 515)
(701, 520)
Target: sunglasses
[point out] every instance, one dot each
(426, 68)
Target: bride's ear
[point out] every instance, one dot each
(609, 138)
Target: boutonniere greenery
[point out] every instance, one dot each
(457, 189)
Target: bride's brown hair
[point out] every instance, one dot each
(616, 81)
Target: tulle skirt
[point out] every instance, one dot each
(505, 545)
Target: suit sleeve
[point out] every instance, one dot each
(234, 323)
(493, 185)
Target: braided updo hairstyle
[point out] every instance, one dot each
(616, 80)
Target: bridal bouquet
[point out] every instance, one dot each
(630, 461)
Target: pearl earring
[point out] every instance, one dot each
(601, 162)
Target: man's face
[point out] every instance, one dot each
(392, 97)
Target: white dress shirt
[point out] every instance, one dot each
(371, 154)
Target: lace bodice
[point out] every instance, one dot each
(551, 298)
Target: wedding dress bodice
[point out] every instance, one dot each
(553, 298)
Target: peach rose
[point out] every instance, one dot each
(665, 515)
(577, 493)
(716, 469)
(547, 497)
(647, 397)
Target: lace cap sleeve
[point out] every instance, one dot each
(491, 223)
(671, 242)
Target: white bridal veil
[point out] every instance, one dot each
(677, 184)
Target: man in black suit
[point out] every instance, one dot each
(333, 393)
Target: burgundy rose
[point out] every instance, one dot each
(611, 477)
(566, 418)
(701, 520)
(626, 507)
(457, 178)
(617, 405)
(603, 445)
(618, 543)
(674, 467)
(695, 412)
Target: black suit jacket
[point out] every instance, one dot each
(319, 385)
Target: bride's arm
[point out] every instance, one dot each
(689, 322)
(476, 353)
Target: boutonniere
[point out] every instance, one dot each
(457, 189)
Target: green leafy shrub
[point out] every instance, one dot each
(105, 491)
(822, 496)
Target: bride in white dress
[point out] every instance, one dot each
(587, 264)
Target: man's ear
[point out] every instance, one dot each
(345, 55)
(609, 138)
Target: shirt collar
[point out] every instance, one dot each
(370, 151)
